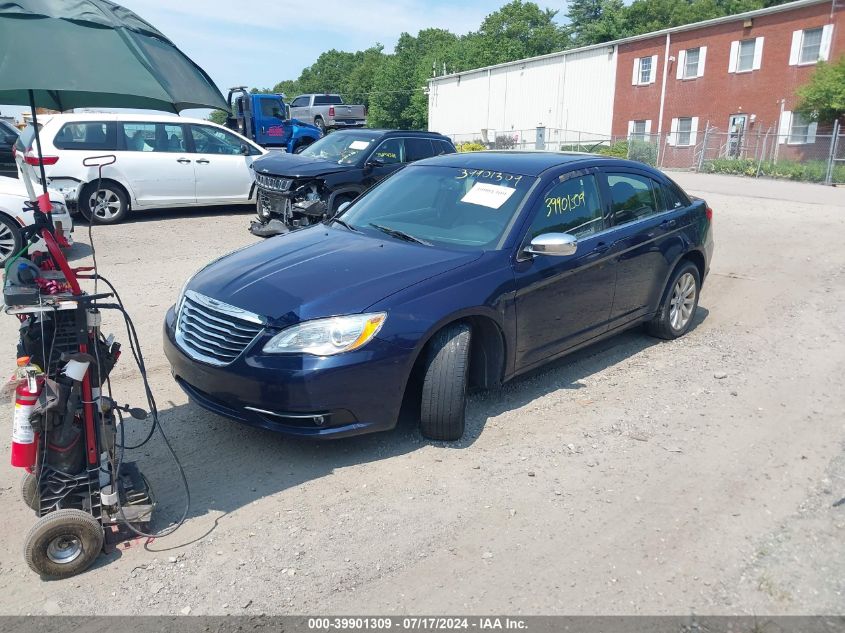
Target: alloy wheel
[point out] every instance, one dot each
(104, 204)
(682, 302)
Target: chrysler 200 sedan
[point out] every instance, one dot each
(459, 271)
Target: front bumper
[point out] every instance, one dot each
(310, 396)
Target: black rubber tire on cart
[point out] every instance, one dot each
(681, 294)
(63, 543)
(444, 390)
(29, 490)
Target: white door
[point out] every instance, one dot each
(156, 165)
(221, 166)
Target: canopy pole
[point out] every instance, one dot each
(44, 199)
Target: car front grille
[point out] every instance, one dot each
(273, 183)
(214, 332)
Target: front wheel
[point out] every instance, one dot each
(106, 205)
(680, 300)
(444, 391)
(63, 543)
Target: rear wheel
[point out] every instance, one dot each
(320, 124)
(106, 205)
(443, 405)
(10, 238)
(29, 490)
(63, 543)
(680, 300)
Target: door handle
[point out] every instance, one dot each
(668, 224)
(183, 160)
(600, 248)
(203, 161)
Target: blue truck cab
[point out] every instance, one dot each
(265, 119)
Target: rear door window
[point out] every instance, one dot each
(673, 198)
(299, 102)
(87, 135)
(443, 147)
(153, 137)
(632, 197)
(417, 149)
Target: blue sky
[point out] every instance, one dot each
(261, 42)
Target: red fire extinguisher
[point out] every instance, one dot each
(24, 440)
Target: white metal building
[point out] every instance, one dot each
(568, 90)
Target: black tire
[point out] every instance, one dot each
(320, 124)
(29, 491)
(663, 325)
(11, 241)
(117, 203)
(444, 390)
(301, 145)
(73, 535)
(339, 201)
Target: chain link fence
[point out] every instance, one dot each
(800, 155)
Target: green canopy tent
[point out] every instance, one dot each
(64, 54)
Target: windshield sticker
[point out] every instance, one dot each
(562, 204)
(493, 196)
(486, 173)
(359, 145)
(386, 155)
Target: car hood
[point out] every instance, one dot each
(321, 271)
(296, 165)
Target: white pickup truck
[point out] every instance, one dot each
(327, 112)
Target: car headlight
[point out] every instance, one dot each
(326, 337)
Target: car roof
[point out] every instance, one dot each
(71, 117)
(379, 133)
(526, 163)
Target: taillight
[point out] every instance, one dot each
(709, 214)
(331, 110)
(32, 158)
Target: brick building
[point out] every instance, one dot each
(737, 74)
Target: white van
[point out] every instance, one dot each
(159, 161)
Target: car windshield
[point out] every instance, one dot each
(468, 209)
(343, 149)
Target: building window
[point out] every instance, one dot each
(745, 59)
(645, 71)
(801, 130)
(691, 63)
(639, 130)
(811, 44)
(685, 131)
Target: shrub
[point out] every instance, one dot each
(807, 171)
(643, 152)
(471, 146)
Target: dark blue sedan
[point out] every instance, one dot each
(458, 271)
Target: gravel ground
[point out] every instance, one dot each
(636, 477)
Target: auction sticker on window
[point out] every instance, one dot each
(359, 144)
(487, 195)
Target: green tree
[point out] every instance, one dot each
(595, 21)
(516, 31)
(822, 99)
(218, 117)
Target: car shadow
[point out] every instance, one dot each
(229, 465)
(155, 215)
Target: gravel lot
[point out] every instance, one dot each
(638, 476)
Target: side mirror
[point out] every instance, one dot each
(245, 150)
(553, 244)
(287, 111)
(374, 162)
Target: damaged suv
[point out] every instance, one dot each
(298, 190)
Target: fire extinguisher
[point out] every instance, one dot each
(24, 440)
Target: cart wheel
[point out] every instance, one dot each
(63, 543)
(29, 490)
